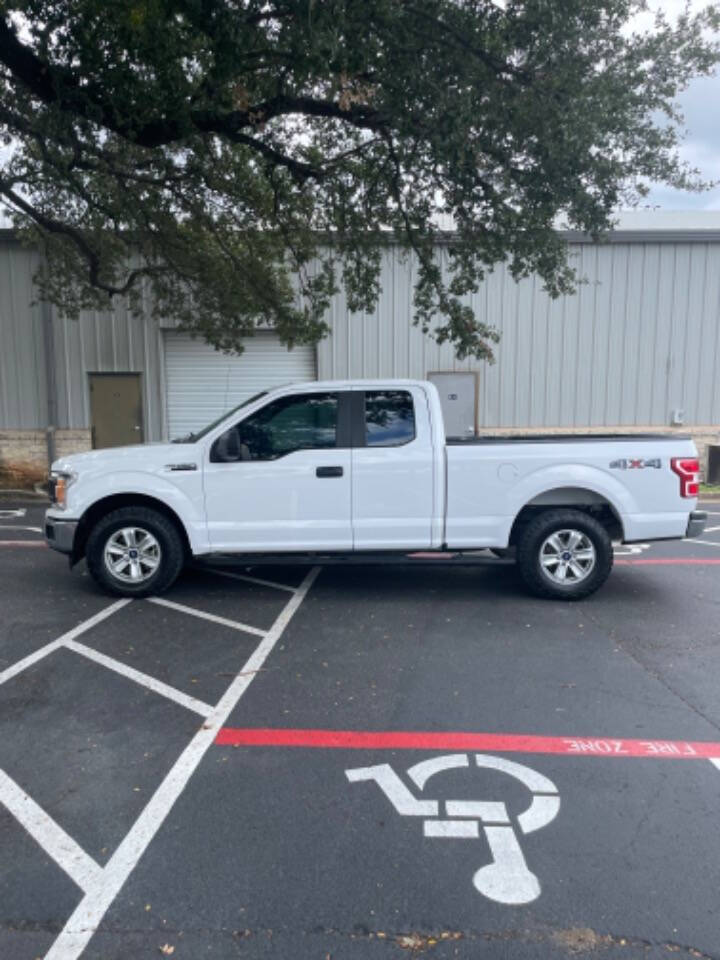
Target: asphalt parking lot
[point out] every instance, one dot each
(359, 762)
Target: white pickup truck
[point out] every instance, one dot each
(363, 470)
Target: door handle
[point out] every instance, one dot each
(324, 472)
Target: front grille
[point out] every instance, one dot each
(52, 484)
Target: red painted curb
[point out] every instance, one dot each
(435, 740)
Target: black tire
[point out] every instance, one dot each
(170, 551)
(530, 554)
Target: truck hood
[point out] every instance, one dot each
(140, 456)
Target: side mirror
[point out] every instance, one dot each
(227, 448)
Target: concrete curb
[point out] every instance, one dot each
(29, 496)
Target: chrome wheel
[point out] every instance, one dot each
(567, 557)
(132, 555)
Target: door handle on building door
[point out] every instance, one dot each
(326, 472)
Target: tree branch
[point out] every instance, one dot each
(57, 227)
(57, 85)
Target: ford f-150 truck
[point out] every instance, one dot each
(363, 469)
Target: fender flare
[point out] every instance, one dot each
(581, 477)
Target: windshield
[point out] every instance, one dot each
(192, 437)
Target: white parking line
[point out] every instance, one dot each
(67, 854)
(22, 543)
(10, 526)
(144, 679)
(707, 543)
(87, 916)
(212, 617)
(49, 648)
(247, 579)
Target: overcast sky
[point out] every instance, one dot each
(701, 147)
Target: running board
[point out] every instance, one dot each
(420, 559)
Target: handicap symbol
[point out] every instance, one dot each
(507, 879)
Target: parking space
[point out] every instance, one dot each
(360, 761)
(21, 524)
(711, 534)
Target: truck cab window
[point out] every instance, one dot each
(302, 422)
(389, 418)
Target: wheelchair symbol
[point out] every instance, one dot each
(507, 879)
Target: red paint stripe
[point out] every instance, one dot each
(668, 562)
(435, 740)
(22, 543)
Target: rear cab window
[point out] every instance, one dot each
(389, 418)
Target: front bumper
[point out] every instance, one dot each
(696, 523)
(60, 534)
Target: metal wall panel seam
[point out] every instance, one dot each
(593, 334)
(703, 412)
(68, 376)
(699, 414)
(671, 332)
(13, 371)
(625, 338)
(578, 313)
(149, 431)
(655, 317)
(686, 333)
(130, 320)
(642, 373)
(715, 381)
(113, 340)
(85, 386)
(611, 266)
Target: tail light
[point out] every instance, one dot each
(689, 473)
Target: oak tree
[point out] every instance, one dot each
(234, 162)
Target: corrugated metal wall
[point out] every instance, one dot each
(112, 342)
(23, 387)
(117, 342)
(640, 338)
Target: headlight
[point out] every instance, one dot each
(59, 483)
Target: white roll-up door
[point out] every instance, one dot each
(202, 383)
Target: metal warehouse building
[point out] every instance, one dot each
(637, 346)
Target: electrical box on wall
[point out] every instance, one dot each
(677, 417)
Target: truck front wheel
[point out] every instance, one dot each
(564, 554)
(135, 552)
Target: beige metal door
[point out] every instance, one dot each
(116, 415)
(458, 399)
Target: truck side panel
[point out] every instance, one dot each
(488, 486)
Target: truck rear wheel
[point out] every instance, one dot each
(135, 552)
(564, 554)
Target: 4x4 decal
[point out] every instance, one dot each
(635, 464)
